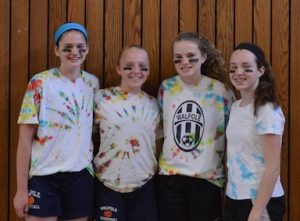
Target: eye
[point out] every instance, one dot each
(68, 50)
(193, 60)
(248, 70)
(144, 68)
(127, 68)
(177, 61)
(82, 50)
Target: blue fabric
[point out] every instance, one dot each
(67, 27)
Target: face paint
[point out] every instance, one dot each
(130, 68)
(191, 61)
(69, 50)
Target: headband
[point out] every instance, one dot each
(67, 27)
(257, 51)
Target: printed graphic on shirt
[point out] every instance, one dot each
(108, 213)
(188, 125)
(32, 196)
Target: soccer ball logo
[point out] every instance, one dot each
(187, 140)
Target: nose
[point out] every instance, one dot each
(185, 60)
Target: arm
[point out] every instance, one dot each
(26, 135)
(272, 150)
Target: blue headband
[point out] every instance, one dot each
(67, 27)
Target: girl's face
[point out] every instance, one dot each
(72, 49)
(244, 74)
(188, 60)
(133, 69)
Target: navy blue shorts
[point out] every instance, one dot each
(67, 195)
(139, 205)
(183, 198)
(239, 210)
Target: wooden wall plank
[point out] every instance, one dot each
(262, 25)
(188, 15)
(4, 107)
(243, 21)
(132, 22)
(225, 30)
(18, 78)
(113, 40)
(38, 45)
(294, 145)
(76, 11)
(95, 27)
(151, 41)
(280, 52)
(57, 16)
(207, 19)
(169, 30)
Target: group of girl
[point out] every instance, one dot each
(196, 111)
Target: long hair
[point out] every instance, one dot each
(214, 65)
(265, 91)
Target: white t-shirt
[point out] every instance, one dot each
(194, 121)
(245, 159)
(128, 122)
(63, 111)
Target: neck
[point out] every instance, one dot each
(194, 80)
(246, 98)
(71, 73)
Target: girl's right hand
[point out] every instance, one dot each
(21, 203)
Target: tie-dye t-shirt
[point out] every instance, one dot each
(245, 159)
(194, 120)
(63, 111)
(128, 122)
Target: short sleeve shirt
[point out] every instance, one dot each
(128, 122)
(245, 159)
(194, 121)
(63, 111)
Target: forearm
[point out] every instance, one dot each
(23, 156)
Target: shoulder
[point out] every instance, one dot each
(90, 79)
(170, 81)
(271, 109)
(39, 79)
(106, 92)
(270, 118)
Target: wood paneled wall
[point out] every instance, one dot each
(26, 47)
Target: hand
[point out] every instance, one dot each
(254, 217)
(21, 203)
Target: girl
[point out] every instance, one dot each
(55, 150)
(195, 106)
(126, 163)
(254, 136)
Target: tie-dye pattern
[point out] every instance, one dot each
(63, 111)
(205, 161)
(126, 157)
(245, 159)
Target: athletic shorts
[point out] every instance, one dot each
(68, 195)
(239, 210)
(183, 198)
(139, 205)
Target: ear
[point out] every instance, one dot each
(261, 71)
(118, 70)
(87, 49)
(56, 50)
(204, 56)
